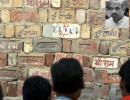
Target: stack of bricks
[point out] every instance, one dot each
(36, 33)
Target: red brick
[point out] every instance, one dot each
(59, 56)
(112, 79)
(84, 60)
(88, 74)
(100, 75)
(89, 47)
(49, 59)
(31, 60)
(104, 47)
(3, 59)
(105, 90)
(12, 87)
(95, 17)
(28, 15)
(4, 87)
(8, 75)
(66, 45)
(19, 87)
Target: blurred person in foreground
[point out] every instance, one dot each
(124, 73)
(36, 88)
(67, 79)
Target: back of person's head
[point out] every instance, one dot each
(67, 76)
(124, 73)
(1, 93)
(36, 88)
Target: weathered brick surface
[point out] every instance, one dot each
(49, 59)
(1, 30)
(61, 15)
(3, 59)
(85, 46)
(5, 16)
(75, 4)
(12, 87)
(43, 72)
(29, 60)
(67, 45)
(36, 33)
(11, 45)
(12, 59)
(8, 75)
(104, 47)
(47, 45)
(85, 31)
(95, 17)
(27, 31)
(9, 31)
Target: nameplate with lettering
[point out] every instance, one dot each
(103, 62)
(61, 30)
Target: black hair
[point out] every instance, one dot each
(67, 76)
(124, 73)
(36, 88)
(1, 93)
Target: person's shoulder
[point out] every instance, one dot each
(108, 22)
(126, 18)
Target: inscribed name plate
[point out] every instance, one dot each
(61, 16)
(61, 30)
(31, 60)
(24, 31)
(119, 48)
(75, 3)
(37, 3)
(11, 45)
(103, 62)
(100, 32)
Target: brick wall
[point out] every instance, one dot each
(36, 33)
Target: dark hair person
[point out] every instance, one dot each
(36, 88)
(67, 79)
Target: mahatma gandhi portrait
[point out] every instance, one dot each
(117, 14)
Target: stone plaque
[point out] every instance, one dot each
(37, 3)
(61, 30)
(31, 60)
(75, 4)
(103, 62)
(47, 45)
(27, 31)
(119, 48)
(61, 15)
(11, 45)
(100, 32)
